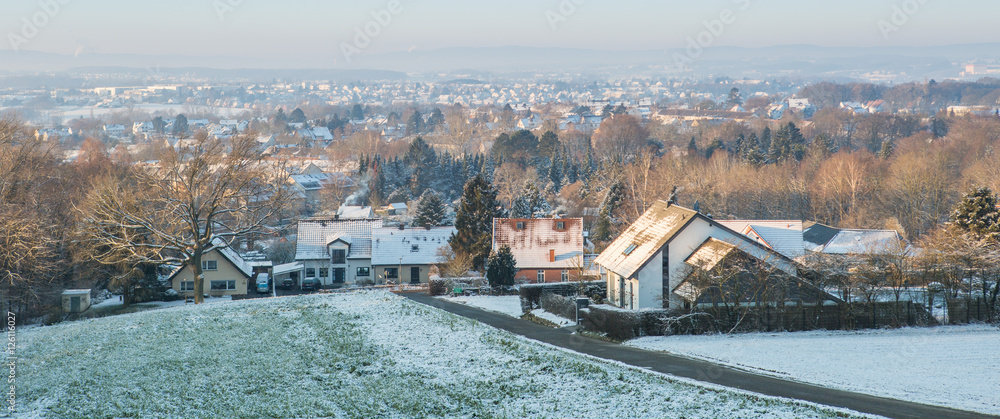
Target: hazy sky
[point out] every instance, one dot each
(296, 28)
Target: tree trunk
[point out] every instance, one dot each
(199, 279)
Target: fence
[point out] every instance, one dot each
(965, 311)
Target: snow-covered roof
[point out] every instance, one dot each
(709, 254)
(416, 246)
(354, 213)
(234, 257)
(853, 242)
(539, 243)
(315, 235)
(784, 237)
(646, 236)
(287, 267)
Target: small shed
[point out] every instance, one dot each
(76, 301)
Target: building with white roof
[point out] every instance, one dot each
(784, 237)
(407, 255)
(336, 251)
(545, 249)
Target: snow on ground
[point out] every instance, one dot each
(507, 304)
(365, 354)
(953, 366)
(559, 321)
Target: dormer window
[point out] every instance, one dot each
(414, 248)
(631, 248)
(519, 225)
(560, 225)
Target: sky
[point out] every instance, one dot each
(324, 29)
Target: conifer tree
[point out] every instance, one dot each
(430, 211)
(474, 221)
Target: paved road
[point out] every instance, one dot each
(696, 369)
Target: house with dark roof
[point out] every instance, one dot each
(819, 238)
(648, 264)
(545, 249)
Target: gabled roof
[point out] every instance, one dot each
(314, 235)
(816, 235)
(230, 255)
(354, 212)
(413, 246)
(855, 242)
(539, 240)
(646, 236)
(710, 253)
(785, 237)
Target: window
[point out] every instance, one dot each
(414, 248)
(540, 276)
(223, 285)
(560, 225)
(564, 275)
(209, 265)
(338, 256)
(310, 272)
(631, 248)
(187, 285)
(519, 225)
(364, 272)
(324, 272)
(392, 273)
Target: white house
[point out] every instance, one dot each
(648, 262)
(336, 251)
(407, 255)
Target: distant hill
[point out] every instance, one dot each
(912, 63)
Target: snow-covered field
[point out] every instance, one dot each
(365, 354)
(953, 366)
(507, 304)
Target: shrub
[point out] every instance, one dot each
(561, 306)
(615, 323)
(438, 286)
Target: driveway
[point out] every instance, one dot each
(697, 369)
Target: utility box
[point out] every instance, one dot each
(76, 301)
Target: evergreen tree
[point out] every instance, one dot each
(415, 125)
(886, 150)
(555, 173)
(788, 143)
(521, 208)
(357, 113)
(430, 211)
(501, 268)
(474, 221)
(977, 214)
(436, 119)
(765, 140)
(822, 146)
(612, 200)
(297, 116)
(422, 165)
(693, 147)
(549, 144)
(735, 98)
(180, 126)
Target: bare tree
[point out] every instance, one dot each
(193, 201)
(620, 138)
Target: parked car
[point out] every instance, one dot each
(263, 283)
(310, 284)
(287, 283)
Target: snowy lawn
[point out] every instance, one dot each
(559, 321)
(953, 366)
(365, 354)
(507, 304)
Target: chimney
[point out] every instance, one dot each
(552, 255)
